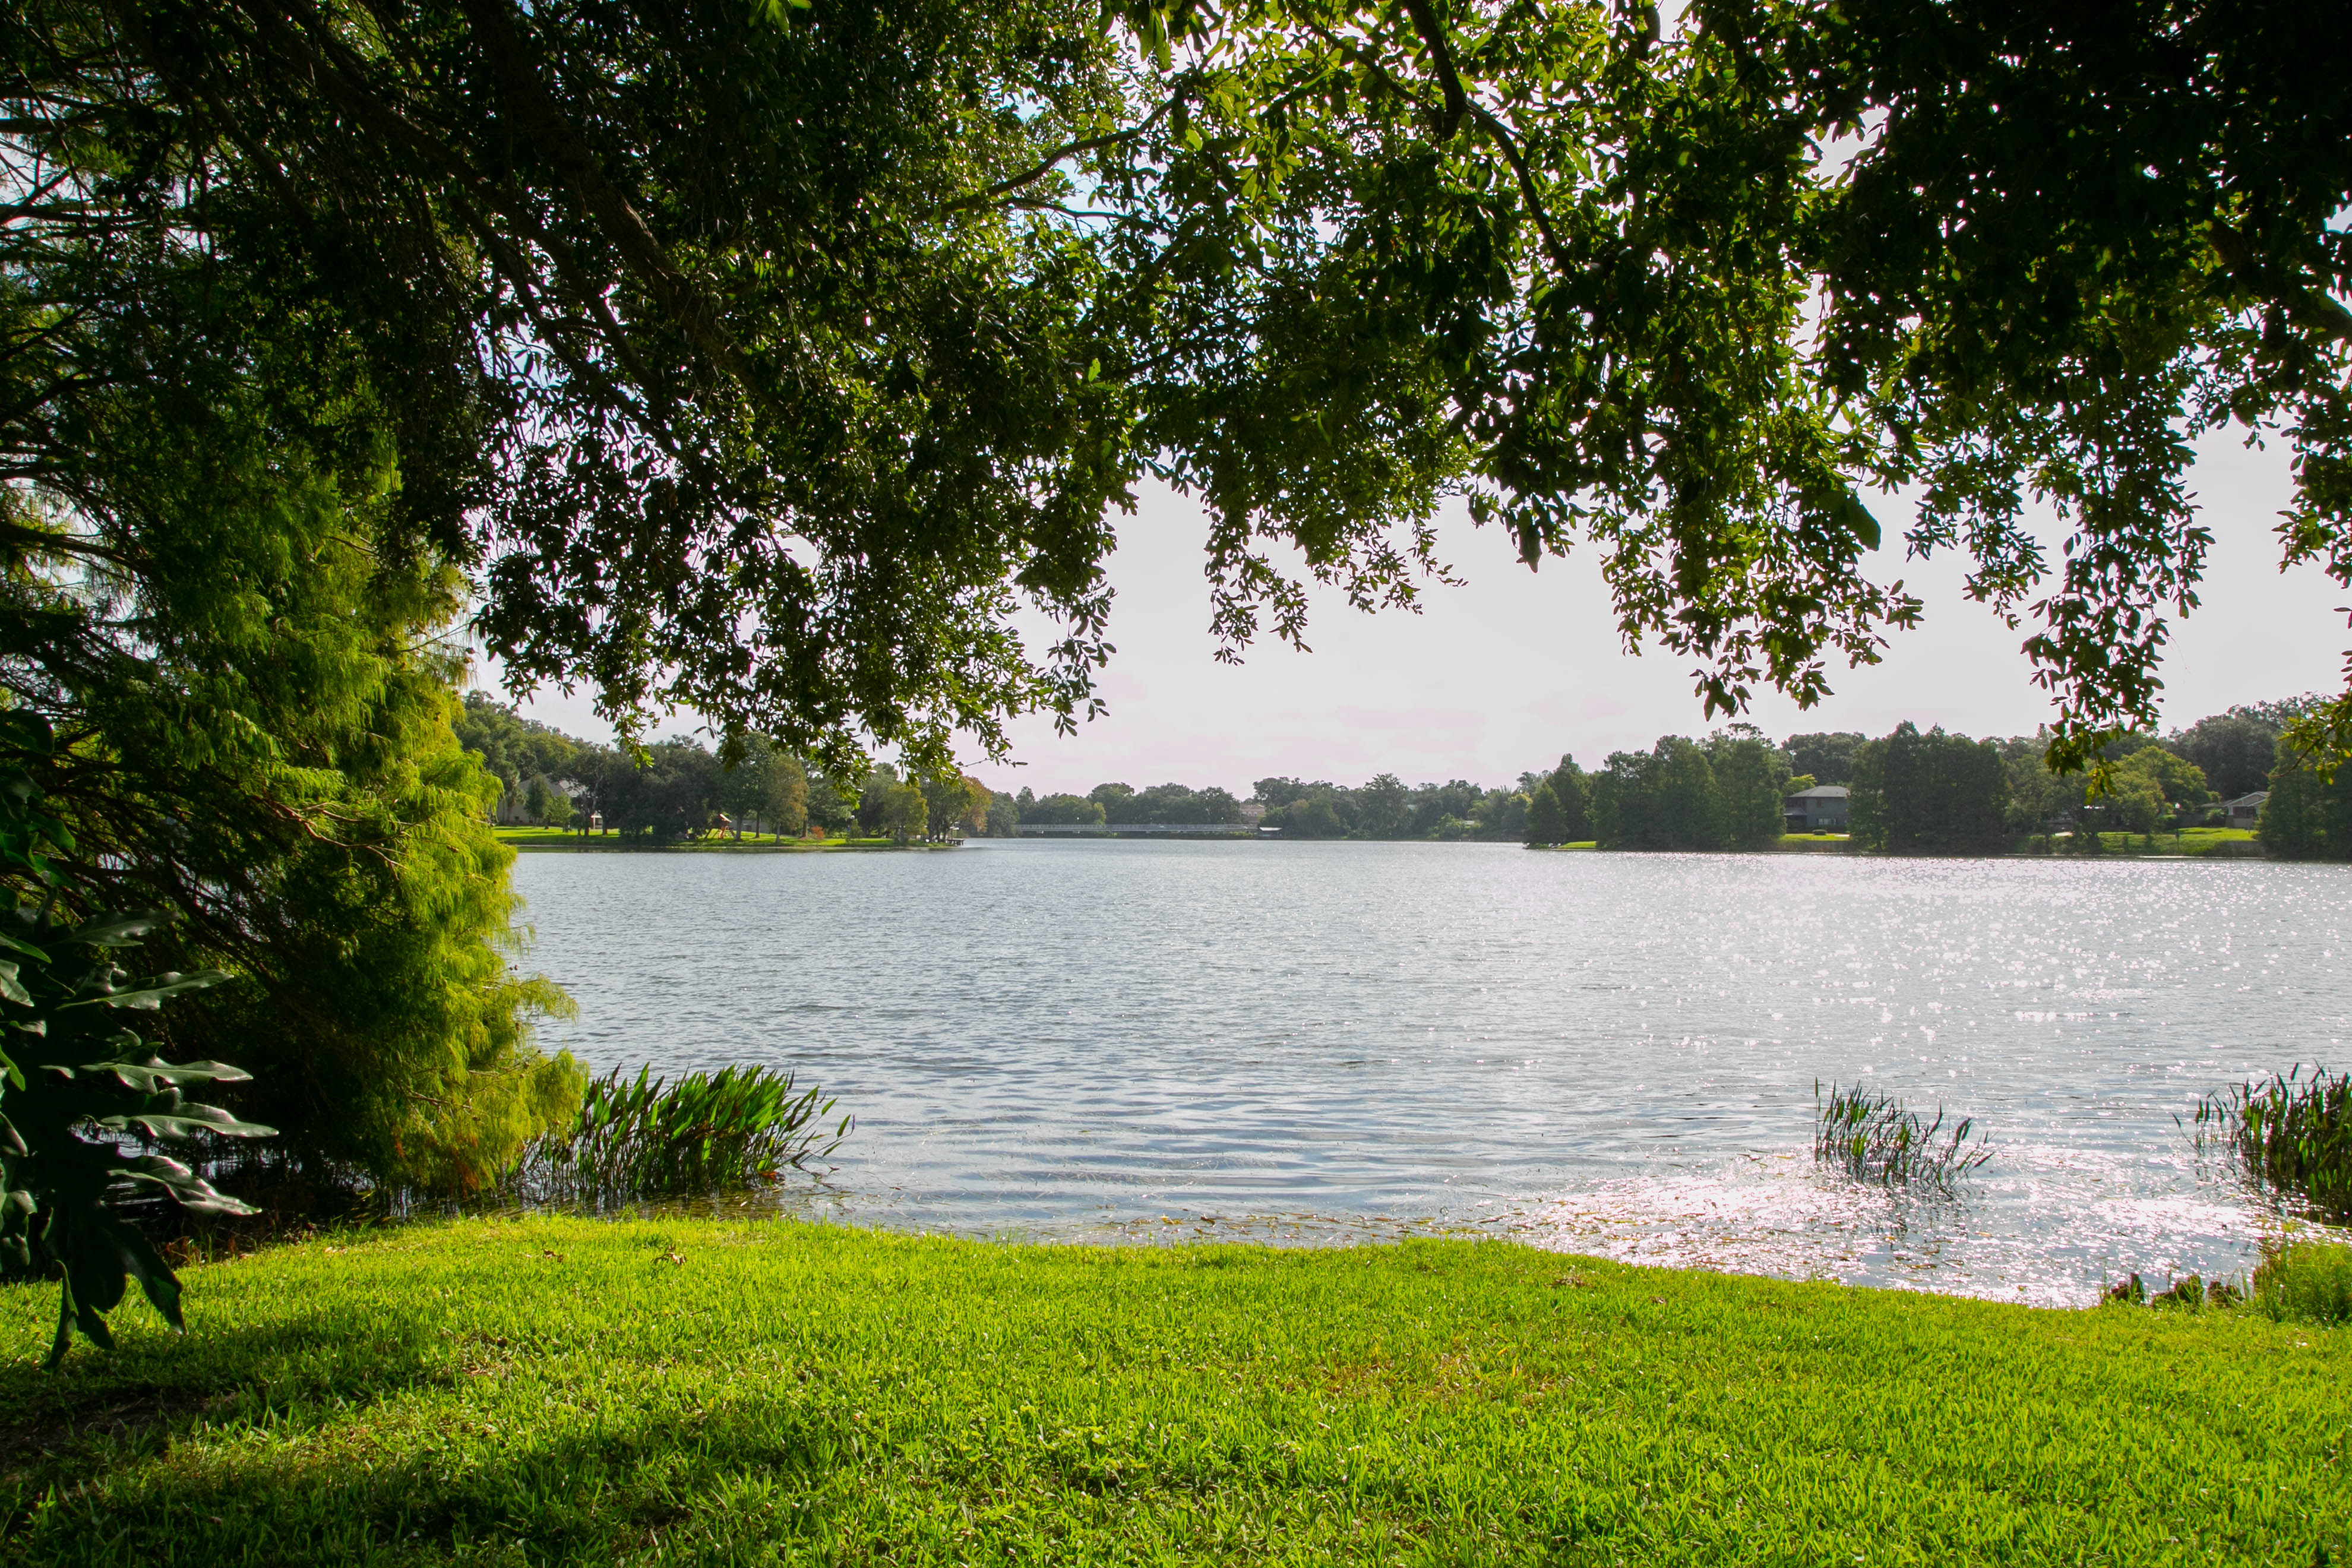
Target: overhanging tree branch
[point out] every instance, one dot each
(537, 115)
(2308, 306)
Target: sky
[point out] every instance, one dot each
(1513, 669)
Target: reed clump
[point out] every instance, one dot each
(1874, 1138)
(2291, 1134)
(646, 1137)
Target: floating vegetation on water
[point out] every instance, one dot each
(2292, 1135)
(1875, 1139)
(646, 1137)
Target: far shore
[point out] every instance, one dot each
(545, 840)
(2193, 844)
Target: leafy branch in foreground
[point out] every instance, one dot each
(84, 1097)
(644, 1137)
(87, 1099)
(1875, 1139)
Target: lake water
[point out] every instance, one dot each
(1601, 1053)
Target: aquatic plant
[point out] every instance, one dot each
(1876, 1138)
(646, 1137)
(2305, 1281)
(2292, 1134)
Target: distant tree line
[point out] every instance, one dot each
(1386, 807)
(1167, 804)
(1931, 792)
(682, 790)
(1383, 807)
(1913, 792)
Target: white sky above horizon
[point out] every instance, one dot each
(1512, 669)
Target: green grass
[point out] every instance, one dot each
(2306, 1281)
(1819, 843)
(2229, 843)
(573, 1391)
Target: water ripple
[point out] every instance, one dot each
(1613, 1053)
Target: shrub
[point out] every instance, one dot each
(2305, 1282)
(1874, 1138)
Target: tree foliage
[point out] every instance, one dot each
(767, 359)
(1559, 807)
(1826, 759)
(2235, 751)
(211, 594)
(1071, 810)
(1680, 794)
(1930, 794)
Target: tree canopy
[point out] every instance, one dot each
(767, 359)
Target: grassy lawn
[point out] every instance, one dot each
(2233, 842)
(497, 1392)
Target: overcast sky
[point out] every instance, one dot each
(1514, 667)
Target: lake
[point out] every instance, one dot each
(1123, 1039)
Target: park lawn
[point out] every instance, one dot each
(2196, 840)
(655, 1391)
(2187, 841)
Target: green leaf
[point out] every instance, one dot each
(1856, 520)
(148, 994)
(187, 1122)
(155, 1075)
(185, 1188)
(26, 947)
(120, 930)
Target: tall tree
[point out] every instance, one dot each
(2309, 816)
(213, 592)
(766, 785)
(959, 802)
(1827, 757)
(2236, 750)
(1931, 794)
(1665, 798)
(1751, 780)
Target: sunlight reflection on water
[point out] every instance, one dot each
(1613, 1054)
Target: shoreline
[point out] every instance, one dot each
(576, 845)
(2245, 851)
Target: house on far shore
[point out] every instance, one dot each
(1821, 809)
(2246, 810)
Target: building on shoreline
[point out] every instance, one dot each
(1824, 809)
